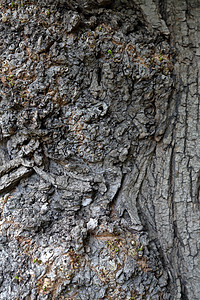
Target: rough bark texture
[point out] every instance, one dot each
(99, 153)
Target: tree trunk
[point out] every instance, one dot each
(175, 163)
(100, 177)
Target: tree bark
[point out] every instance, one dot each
(99, 153)
(175, 165)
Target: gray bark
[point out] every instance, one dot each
(99, 153)
(176, 163)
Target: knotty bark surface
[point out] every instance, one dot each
(99, 152)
